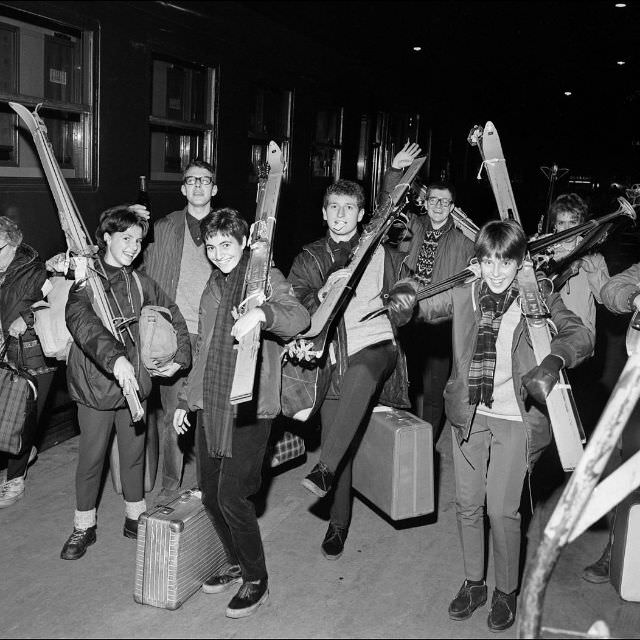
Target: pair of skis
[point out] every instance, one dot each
(563, 415)
(79, 241)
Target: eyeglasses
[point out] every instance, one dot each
(445, 202)
(205, 181)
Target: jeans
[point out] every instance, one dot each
(227, 484)
(344, 417)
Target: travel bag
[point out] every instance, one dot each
(393, 466)
(18, 394)
(624, 571)
(178, 549)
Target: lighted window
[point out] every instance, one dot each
(183, 117)
(51, 65)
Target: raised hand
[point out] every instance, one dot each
(406, 155)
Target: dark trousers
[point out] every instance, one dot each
(342, 419)
(227, 484)
(173, 455)
(17, 465)
(95, 434)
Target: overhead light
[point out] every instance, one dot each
(417, 48)
(621, 5)
(567, 93)
(621, 62)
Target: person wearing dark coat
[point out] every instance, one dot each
(22, 276)
(102, 367)
(365, 361)
(495, 402)
(231, 440)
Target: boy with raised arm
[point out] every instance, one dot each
(495, 401)
(366, 364)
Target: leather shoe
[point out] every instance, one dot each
(469, 598)
(76, 545)
(130, 529)
(333, 544)
(249, 597)
(319, 481)
(598, 572)
(222, 581)
(503, 610)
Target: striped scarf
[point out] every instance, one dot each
(218, 413)
(483, 363)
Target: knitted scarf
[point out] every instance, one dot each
(483, 363)
(218, 413)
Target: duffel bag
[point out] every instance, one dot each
(18, 394)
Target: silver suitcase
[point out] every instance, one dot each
(178, 549)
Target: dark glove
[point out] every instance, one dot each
(399, 230)
(541, 379)
(402, 300)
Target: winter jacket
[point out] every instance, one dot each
(286, 317)
(573, 343)
(308, 274)
(163, 257)
(618, 293)
(21, 288)
(95, 350)
(454, 249)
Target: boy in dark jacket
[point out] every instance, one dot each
(231, 440)
(363, 356)
(101, 367)
(494, 401)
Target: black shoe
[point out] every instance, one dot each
(130, 529)
(598, 572)
(249, 597)
(333, 544)
(469, 598)
(76, 545)
(319, 481)
(503, 610)
(222, 581)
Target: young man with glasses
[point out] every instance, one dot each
(436, 250)
(177, 261)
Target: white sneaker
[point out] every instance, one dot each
(11, 491)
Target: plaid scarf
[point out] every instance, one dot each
(483, 363)
(218, 413)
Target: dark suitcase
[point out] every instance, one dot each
(624, 570)
(393, 467)
(178, 549)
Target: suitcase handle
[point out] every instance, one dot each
(166, 510)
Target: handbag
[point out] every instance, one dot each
(304, 388)
(289, 447)
(18, 395)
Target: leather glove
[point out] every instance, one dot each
(399, 230)
(402, 300)
(539, 382)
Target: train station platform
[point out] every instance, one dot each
(395, 580)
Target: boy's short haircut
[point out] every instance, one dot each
(200, 164)
(568, 203)
(503, 239)
(116, 219)
(226, 222)
(345, 188)
(441, 186)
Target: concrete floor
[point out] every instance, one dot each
(391, 582)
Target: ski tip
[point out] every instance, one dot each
(489, 128)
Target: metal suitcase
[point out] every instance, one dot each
(625, 549)
(393, 467)
(178, 549)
